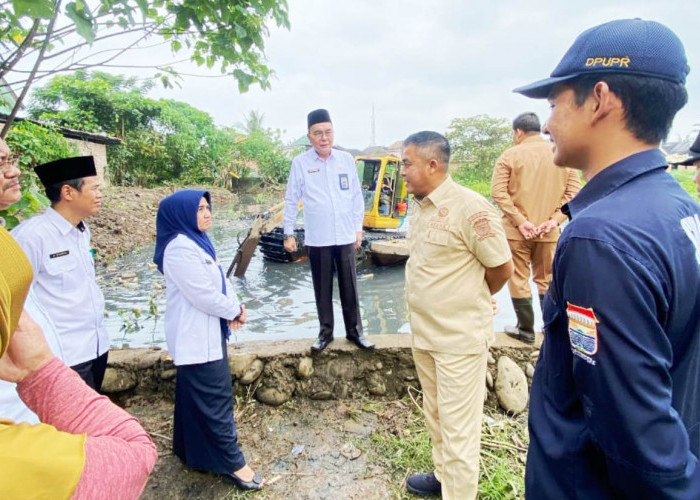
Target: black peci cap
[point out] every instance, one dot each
(66, 169)
(318, 116)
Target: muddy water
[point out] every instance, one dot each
(279, 297)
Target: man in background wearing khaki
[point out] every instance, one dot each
(459, 257)
(530, 191)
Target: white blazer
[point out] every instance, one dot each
(194, 303)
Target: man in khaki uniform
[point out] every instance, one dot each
(459, 257)
(530, 191)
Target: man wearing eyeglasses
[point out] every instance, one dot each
(10, 193)
(57, 244)
(9, 182)
(326, 181)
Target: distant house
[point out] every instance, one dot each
(395, 148)
(676, 152)
(87, 143)
(303, 141)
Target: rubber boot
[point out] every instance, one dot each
(525, 329)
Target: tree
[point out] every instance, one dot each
(264, 148)
(94, 102)
(476, 143)
(163, 140)
(42, 38)
(252, 122)
(35, 145)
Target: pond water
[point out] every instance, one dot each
(279, 297)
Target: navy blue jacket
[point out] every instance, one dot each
(615, 408)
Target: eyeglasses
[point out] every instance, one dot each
(11, 161)
(317, 134)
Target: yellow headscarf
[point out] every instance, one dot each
(15, 278)
(38, 461)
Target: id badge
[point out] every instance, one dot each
(344, 182)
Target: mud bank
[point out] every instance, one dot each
(127, 218)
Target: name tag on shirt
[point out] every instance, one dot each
(59, 254)
(344, 182)
(313, 170)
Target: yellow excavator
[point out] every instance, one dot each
(384, 191)
(386, 207)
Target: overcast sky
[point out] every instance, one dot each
(422, 63)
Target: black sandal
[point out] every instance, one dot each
(255, 484)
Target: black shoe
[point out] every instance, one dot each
(321, 344)
(424, 485)
(255, 484)
(361, 342)
(521, 335)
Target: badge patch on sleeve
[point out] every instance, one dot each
(344, 182)
(583, 332)
(481, 225)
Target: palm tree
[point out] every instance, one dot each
(252, 122)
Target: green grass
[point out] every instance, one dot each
(479, 184)
(686, 179)
(404, 448)
(236, 494)
(483, 186)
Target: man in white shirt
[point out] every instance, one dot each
(326, 181)
(57, 244)
(11, 406)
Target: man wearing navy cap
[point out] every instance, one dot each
(615, 407)
(325, 179)
(57, 244)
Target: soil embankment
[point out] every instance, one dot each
(127, 219)
(344, 445)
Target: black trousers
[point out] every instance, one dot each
(323, 261)
(93, 371)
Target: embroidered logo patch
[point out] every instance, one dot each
(691, 226)
(443, 212)
(583, 332)
(481, 225)
(344, 182)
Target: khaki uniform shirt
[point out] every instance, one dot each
(454, 235)
(527, 185)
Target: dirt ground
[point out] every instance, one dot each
(127, 219)
(304, 449)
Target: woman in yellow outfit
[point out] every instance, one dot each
(87, 447)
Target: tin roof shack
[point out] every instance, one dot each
(88, 143)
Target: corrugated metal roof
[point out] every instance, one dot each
(69, 132)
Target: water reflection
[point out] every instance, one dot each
(279, 297)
